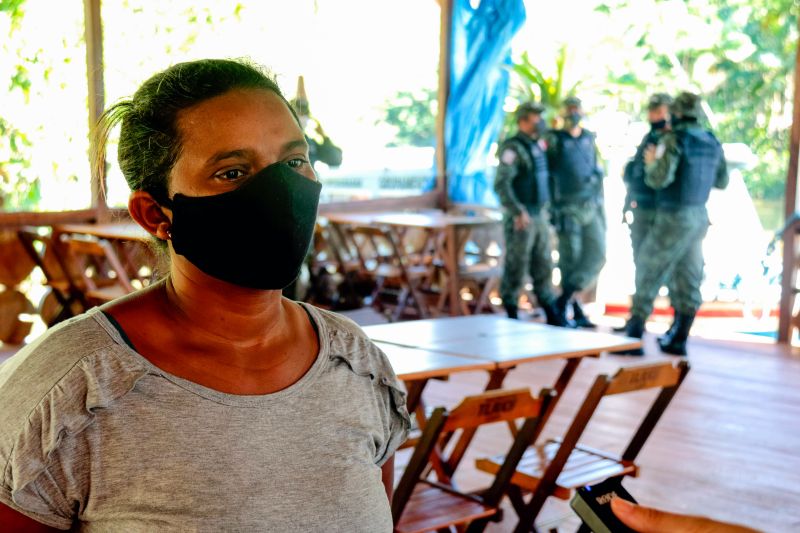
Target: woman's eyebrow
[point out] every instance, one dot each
(243, 153)
(293, 145)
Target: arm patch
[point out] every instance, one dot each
(508, 156)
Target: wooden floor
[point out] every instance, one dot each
(728, 446)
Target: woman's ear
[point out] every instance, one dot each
(150, 215)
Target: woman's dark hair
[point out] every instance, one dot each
(149, 141)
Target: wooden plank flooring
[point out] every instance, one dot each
(727, 447)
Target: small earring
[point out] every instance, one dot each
(169, 234)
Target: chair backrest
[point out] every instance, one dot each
(472, 412)
(44, 254)
(97, 264)
(666, 376)
(372, 243)
(494, 406)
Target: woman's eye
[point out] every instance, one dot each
(231, 174)
(297, 162)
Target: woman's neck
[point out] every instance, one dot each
(223, 312)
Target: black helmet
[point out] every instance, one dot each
(526, 108)
(659, 99)
(687, 105)
(572, 101)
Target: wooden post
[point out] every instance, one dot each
(445, 52)
(789, 248)
(93, 31)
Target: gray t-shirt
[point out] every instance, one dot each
(94, 435)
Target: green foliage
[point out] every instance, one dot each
(413, 115)
(18, 190)
(531, 84)
(743, 69)
(13, 9)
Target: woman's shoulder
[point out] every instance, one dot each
(343, 337)
(348, 346)
(346, 341)
(54, 385)
(57, 351)
(334, 322)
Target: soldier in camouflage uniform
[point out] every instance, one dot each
(522, 187)
(577, 186)
(640, 201)
(683, 168)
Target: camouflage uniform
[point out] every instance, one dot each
(689, 162)
(579, 216)
(640, 199)
(521, 184)
(674, 244)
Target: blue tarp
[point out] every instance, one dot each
(480, 46)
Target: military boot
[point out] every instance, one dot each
(621, 329)
(581, 321)
(511, 311)
(676, 343)
(554, 318)
(561, 306)
(634, 327)
(667, 336)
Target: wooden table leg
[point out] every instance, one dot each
(451, 263)
(561, 383)
(414, 393)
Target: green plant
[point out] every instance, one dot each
(18, 189)
(413, 115)
(531, 83)
(742, 65)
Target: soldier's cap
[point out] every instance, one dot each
(659, 99)
(526, 108)
(571, 101)
(687, 104)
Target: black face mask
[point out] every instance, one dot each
(573, 119)
(683, 120)
(658, 125)
(255, 236)
(539, 129)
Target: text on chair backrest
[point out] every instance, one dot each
(644, 377)
(494, 406)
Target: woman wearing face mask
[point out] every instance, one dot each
(207, 401)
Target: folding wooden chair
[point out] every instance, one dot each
(63, 302)
(397, 282)
(334, 271)
(94, 270)
(420, 504)
(556, 468)
(480, 279)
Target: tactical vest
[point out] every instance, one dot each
(701, 155)
(531, 185)
(574, 168)
(638, 191)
